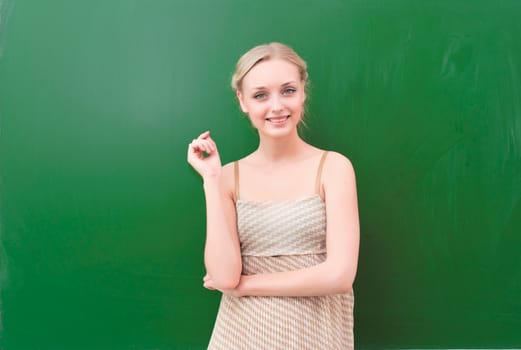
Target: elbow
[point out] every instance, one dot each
(230, 282)
(341, 281)
(228, 279)
(343, 285)
(225, 275)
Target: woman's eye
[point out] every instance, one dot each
(259, 96)
(289, 91)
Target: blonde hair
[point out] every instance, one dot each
(263, 53)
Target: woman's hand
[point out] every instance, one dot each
(206, 166)
(235, 292)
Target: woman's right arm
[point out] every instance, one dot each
(222, 256)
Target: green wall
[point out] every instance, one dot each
(102, 220)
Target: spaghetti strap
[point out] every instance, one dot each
(236, 171)
(319, 173)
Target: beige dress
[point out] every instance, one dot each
(283, 236)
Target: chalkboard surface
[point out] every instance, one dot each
(102, 221)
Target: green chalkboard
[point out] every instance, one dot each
(102, 221)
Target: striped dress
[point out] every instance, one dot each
(283, 236)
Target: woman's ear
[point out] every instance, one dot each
(240, 97)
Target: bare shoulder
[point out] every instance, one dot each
(338, 177)
(338, 164)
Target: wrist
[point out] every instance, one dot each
(213, 179)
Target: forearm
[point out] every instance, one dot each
(321, 279)
(222, 252)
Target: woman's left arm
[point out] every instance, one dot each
(336, 274)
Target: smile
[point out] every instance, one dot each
(278, 120)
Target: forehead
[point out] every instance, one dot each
(275, 72)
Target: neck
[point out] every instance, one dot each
(280, 149)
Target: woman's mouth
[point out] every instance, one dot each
(278, 120)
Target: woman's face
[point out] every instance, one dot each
(273, 97)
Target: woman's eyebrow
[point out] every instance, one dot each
(263, 87)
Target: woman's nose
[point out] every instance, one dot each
(276, 104)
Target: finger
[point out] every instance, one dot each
(204, 135)
(193, 150)
(212, 142)
(200, 145)
(200, 142)
(193, 146)
(206, 146)
(212, 148)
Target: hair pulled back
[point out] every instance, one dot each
(266, 52)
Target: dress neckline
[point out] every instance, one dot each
(281, 201)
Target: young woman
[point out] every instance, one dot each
(282, 223)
